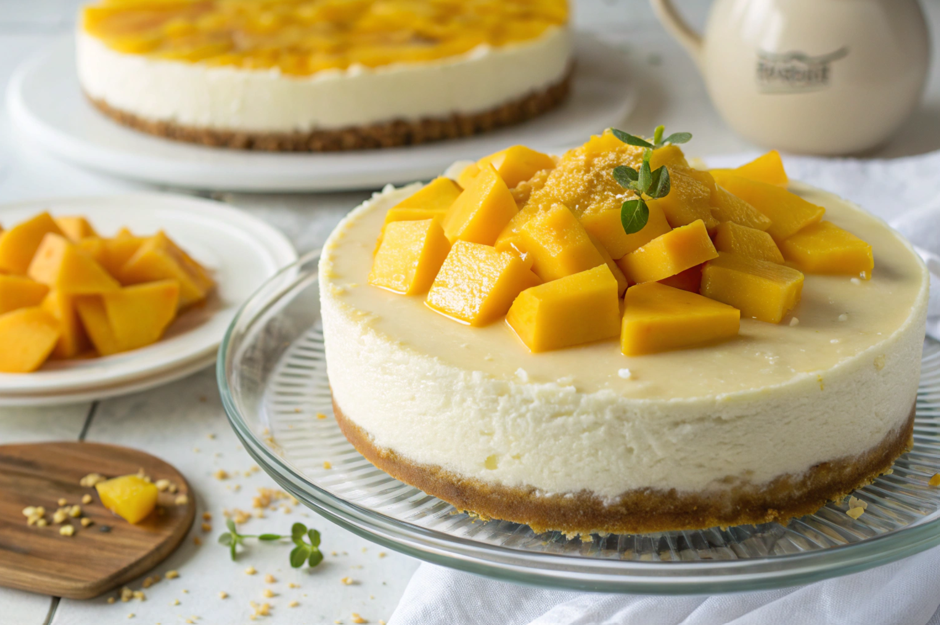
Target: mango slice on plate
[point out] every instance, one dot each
(28, 336)
(669, 254)
(20, 292)
(689, 280)
(131, 497)
(659, 318)
(481, 211)
(766, 168)
(558, 245)
(729, 207)
(690, 193)
(613, 266)
(75, 227)
(130, 318)
(606, 227)
(517, 163)
(743, 241)
(510, 236)
(409, 257)
(436, 195)
(477, 284)
(579, 308)
(63, 266)
(758, 288)
(827, 248)
(73, 340)
(18, 245)
(159, 258)
(788, 212)
(118, 250)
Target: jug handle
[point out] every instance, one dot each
(679, 28)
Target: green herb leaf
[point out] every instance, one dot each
(315, 557)
(660, 185)
(678, 137)
(230, 524)
(225, 539)
(658, 135)
(314, 537)
(270, 537)
(645, 178)
(298, 556)
(625, 176)
(633, 216)
(297, 531)
(630, 139)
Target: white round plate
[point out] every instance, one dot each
(241, 251)
(46, 103)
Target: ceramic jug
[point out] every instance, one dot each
(810, 76)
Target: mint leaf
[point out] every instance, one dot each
(645, 178)
(299, 555)
(678, 137)
(315, 557)
(625, 176)
(633, 216)
(660, 185)
(314, 537)
(630, 139)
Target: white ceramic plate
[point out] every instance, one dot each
(45, 102)
(241, 251)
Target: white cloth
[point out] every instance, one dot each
(906, 193)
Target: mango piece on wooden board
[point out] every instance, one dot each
(690, 193)
(27, 337)
(729, 207)
(558, 244)
(159, 258)
(606, 227)
(477, 284)
(767, 168)
(131, 497)
(409, 257)
(669, 254)
(73, 340)
(63, 266)
(130, 318)
(436, 195)
(75, 227)
(580, 308)
(20, 292)
(758, 288)
(517, 163)
(743, 241)
(659, 318)
(18, 245)
(481, 212)
(788, 212)
(827, 248)
(688, 280)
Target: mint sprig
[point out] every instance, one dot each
(303, 551)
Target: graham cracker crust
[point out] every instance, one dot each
(385, 135)
(640, 511)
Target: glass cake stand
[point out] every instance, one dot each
(272, 376)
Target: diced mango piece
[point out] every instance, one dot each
(409, 257)
(133, 317)
(758, 288)
(118, 250)
(690, 191)
(61, 265)
(607, 228)
(481, 212)
(599, 144)
(659, 318)
(689, 280)
(477, 284)
(517, 163)
(766, 168)
(159, 258)
(20, 292)
(729, 207)
(28, 336)
(612, 265)
(75, 227)
(131, 497)
(668, 254)
(73, 340)
(414, 214)
(743, 241)
(511, 235)
(558, 244)
(436, 195)
(787, 211)
(827, 248)
(94, 247)
(579, 308)
(94, 318)
(467, 174)
(18, 245)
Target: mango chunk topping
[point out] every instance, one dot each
(481, 212)
(18, 245)
(827, 248)
(744, 241)
(19, 292)
(73, 340)
(729, 207)
(62, 265)
(558, 244)
(758, 288)
(658, 318)
(130, 318)
(75, 227)
(766, 168)
(669, 254)
(409, 257)
(159, 258)
(517, 163)
(131, 497)
(477, 284)
(787, 211)
(579, 308)
(436, 195)
(607, 228)
(28, 336)
(690, 193)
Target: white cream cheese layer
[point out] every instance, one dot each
(225, 98)
(777, 399)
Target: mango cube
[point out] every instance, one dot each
(690, 192)
(436, 195)
(827, 248)
(481, 212)
(118, 250)
(766, 168)
(63, 266)
(689, 280)
(19, 292)
(467, 174)
(787, 211)
(743, 241)
(517, 163)
(409, 257)
(28, 336)
(131, 497)
(18, 245)
(75, 228)
(659, 318)
(130, 318)
(477, 284)
(510, 236)
(606, 227)
(73, 340)
(579, 308)
(159, 258)
(729, 207)
(558, 244)
(669, 254)
(612, 265)
(758, 288)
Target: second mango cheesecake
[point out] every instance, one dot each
(614, 341)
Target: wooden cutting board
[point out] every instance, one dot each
(98, 558)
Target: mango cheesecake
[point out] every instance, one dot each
(323, 75)
(614, 341)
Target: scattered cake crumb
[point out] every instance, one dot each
(86, 522)
(855, 512)
(794, 321)
(327, 464)
(270, 579)
(207, 527)
(62, 502)
(111, 600)
(250, 570)
(206, 516)
(67, 530)
(844, 317)
(223, 594)
(935, 480)
(86, 499)
(175, 602)
(358, 619)
(131, 615)
(181, 500)
(91, 479)
(855, 281)
(347, 581)
(320, 415)
(268, 593)
(172, 574)
(292, 585)
(855, 502)
(220, 475)
(382, 554)
(624, 373)
(162, 485)
(522, 374)
(293, 604)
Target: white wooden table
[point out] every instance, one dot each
(184, 423)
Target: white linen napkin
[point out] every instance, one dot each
(904, 192)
